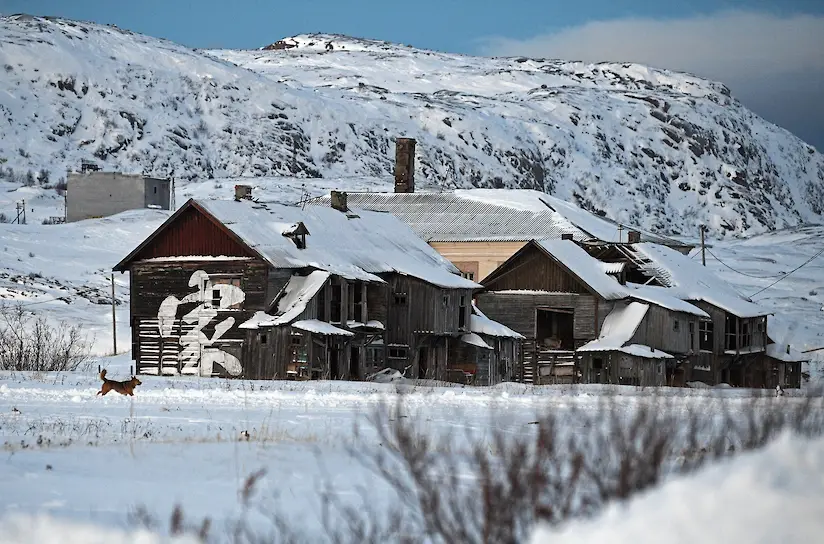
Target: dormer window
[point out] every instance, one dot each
(297, 233)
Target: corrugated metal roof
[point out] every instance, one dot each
(479, 215)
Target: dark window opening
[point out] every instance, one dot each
(400, 299)
(216, 298)
(445, 301)
(463, 311)
(336, 305)
(155, 190)
(746, 335)
(705, 336)
(597, 373)
(321, 304)
(263, 339)
(554, 329)
(676, 325)
(359, 302)
(397, 353)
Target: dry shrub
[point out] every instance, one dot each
(29, 343)
(569, 465)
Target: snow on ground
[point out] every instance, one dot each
(73, 455)
(773, 495)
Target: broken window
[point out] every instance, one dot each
(397, 353)
(336, 304)
(705, 336)
(358, 299)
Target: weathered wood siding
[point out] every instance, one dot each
(518, 311)
(673, 332)
(277, 280)
(162, 337)
(428, 309)
(620, 368)
(535, 270)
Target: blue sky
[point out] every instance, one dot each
(770, 52)
(448, 25)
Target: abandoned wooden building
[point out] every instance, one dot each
(733, 343)
(478, 229)
(581, 324)
(264, 290)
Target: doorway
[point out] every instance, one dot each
(334, 362)
(423, 362)
(354, 363)
(554, 328)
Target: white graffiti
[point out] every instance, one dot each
(197, 350)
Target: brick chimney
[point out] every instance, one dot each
(243, 191)
(338, 201)
(405, 165)
(633, 237)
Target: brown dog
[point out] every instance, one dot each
(124, 388)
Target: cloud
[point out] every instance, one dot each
(760, 56)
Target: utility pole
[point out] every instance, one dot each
(114, 321)
(702, 228)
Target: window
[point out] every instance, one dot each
(397, 353)
(400, 299)
(336, 307)
(468, 275)
(263, 339)
(445, 301)
(692, 335)
(358, 302)
(705, 336)
(676, 325)
(746, 334)
(462, 314)
(216, 298)
(321, 304)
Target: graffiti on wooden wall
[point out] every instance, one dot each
(197, 349)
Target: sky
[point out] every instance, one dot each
(769, 52)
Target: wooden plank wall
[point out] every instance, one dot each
(657, 330)
(152, 282)
(535, 270)
(518, 311)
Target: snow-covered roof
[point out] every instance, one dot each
(297, 293)
(475, 340)
(492, 215)
(688, 280)
(619, 328)
(481, 324)
(354, 246)
(320, 327)
(587, 268)
(783, 352)
(661, 296)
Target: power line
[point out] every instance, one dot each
(739, 272)
(805, 263)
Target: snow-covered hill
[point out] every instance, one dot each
(661, 149)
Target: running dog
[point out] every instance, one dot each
(124, 388)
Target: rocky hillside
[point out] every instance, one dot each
(661, 149)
